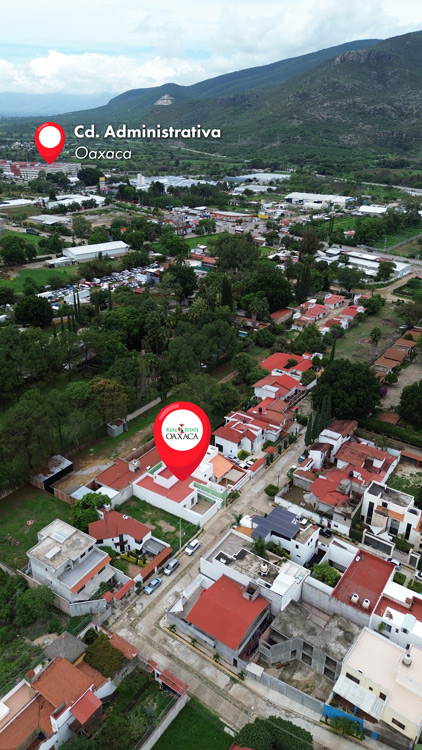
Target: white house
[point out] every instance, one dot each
(392, 512)
(282, 527)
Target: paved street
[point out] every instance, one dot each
(144, 625)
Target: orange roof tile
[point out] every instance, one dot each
(86, 707)
(92, 674)
(221, 466)
(224, 613)
(34, 717)
(123, 645)
(62, 682)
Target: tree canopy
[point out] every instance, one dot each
(354, 388)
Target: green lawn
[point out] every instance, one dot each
(164, 525)
(409, 483)
(356, 344)
(195, 728)
(27, 504)
(32, 239)
(40, 275)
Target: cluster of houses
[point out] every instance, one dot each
(259, 614)
(64, 696)
(273, 416)
(397, 354)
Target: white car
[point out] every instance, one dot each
(192, 547)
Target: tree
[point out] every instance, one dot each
(303, 285)
(182, 279)
(258, 548)
(30, 286)
(410, 406)
(7, 295)
(84, 511)
(110, 398)
(13, 250)
(34, 311)
(34, 604)
(274, 733)
(333, 349)
(309, 431)
(391, 378)
(325, 573)
(236, 252)
(411, 313)
(375, 336)
(385, 270)
(271, 282)
(354, 388)
(98, 235)
(264, 338)
(350, 278)
(82, 228)
(271, 490)
(308, 340)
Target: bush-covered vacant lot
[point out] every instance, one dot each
(196, 728)
(16, 510)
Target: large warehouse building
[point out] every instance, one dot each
(90, 252)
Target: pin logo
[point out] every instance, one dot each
(49, 140)
(182, 433)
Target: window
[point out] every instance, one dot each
(353, 678)
(307, 648)
(307, 659)
(330, 674)
(398, 724)
(404, 630)
(383, 696)
(387, 627)
(293, 654)
(330, 662)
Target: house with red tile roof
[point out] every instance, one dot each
(281, 316)
(333, 300)
(352, 311)
(159, 487)
(277, 364)
(366, 461)
(283, 386)
(121, 532)
(227, 616)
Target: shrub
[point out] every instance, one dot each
(90, 636)
(347, 726)
(399, 578)
(415, 586)
(271, 490)
(101, 655)
(243, 454)
(356, 535)
(54, 626)
(325, 573)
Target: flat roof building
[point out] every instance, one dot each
(89, 252)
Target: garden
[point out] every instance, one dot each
(164, 525)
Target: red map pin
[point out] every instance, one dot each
(49, 140)
(182, 433)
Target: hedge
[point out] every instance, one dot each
(405, 435)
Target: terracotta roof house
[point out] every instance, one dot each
(228, 615)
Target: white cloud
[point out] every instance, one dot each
(184, 43)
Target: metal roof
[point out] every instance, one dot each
(280, 521)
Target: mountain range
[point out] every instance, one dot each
(353, 102)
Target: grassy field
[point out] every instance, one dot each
(32, 239)
(20, 211)
(40, 275)
(27, 504)
(163, 524)
(356, 344)
(195, 728)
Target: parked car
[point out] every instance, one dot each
(325, 532)
(154, 584)
(393, 560)
(302, 458)
(418, 575)
(172, 565)
(192, 547)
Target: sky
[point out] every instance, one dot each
(93, 46)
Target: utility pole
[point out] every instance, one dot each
(180, 534)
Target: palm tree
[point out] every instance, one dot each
(375, 337)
